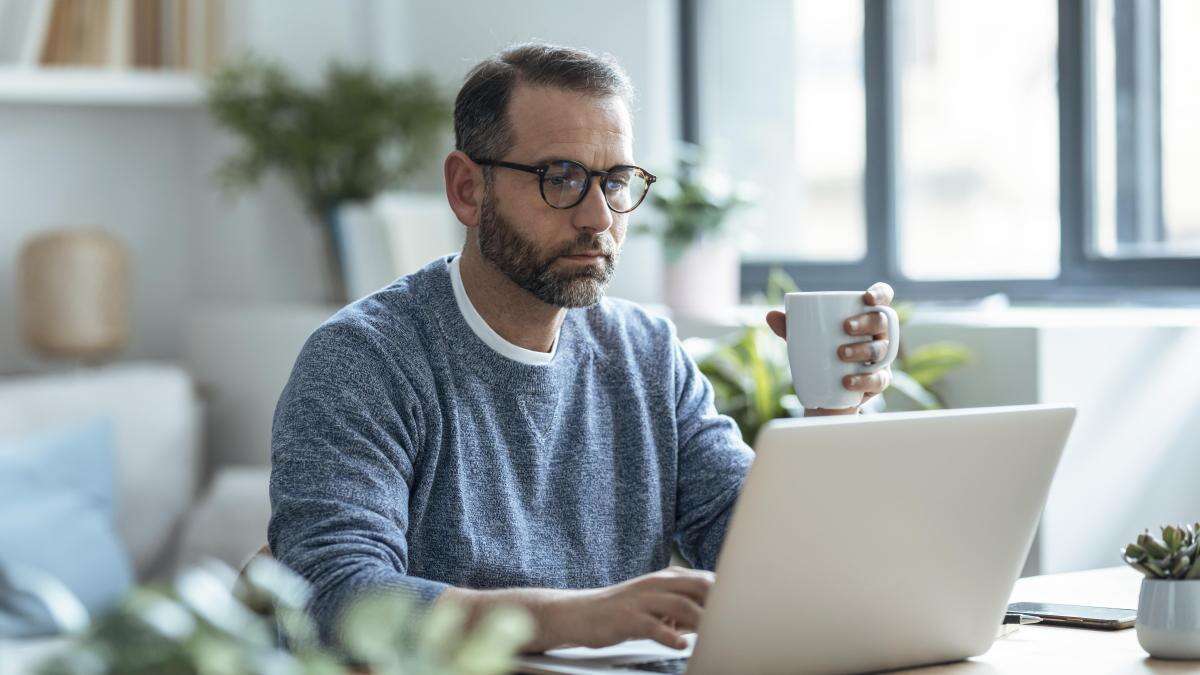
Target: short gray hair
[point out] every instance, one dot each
(482, 129)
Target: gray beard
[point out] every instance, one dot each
(521, 261)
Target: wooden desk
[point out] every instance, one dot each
(1065, 651)
(1049, 649)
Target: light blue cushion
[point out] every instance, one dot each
(56, 516)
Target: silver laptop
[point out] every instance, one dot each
(865, 543)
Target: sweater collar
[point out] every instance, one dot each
(476, 354)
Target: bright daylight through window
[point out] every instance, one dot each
(781, 100)
(977, 193)
(1146, 83)
(929, 142)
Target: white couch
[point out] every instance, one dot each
(167, 515)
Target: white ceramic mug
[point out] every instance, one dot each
(815, 330)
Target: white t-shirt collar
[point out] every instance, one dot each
(485, 332)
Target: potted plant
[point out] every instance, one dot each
(753, 385)
(208, 621)
(701, 276)
(339, 145)
(1168, 616)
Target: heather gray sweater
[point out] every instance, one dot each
(407, 454)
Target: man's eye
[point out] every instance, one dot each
(616, 185)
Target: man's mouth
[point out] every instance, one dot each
(585, 257)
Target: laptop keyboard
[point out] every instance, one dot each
(672, 665)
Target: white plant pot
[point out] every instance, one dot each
(1168, 618)
(362, 240)
(396, 234)
(704, 281)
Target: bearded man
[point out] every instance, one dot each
(491, 428)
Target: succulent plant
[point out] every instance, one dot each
(1175, 557)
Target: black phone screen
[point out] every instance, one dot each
(1076, 614)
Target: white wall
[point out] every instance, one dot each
(202, 256)
(145, 174)
(262, 246)
(1132, 460)
(123, 170)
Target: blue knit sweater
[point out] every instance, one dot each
(406, 454)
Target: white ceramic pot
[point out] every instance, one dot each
(704, 281)
(363, 246)
(1168, 618)
(74, 290)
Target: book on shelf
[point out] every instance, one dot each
(178, 35)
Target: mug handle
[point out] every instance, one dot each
(893, 321)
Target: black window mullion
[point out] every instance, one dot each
(879, 262)
(1082, 266)
(689, 99)
(1139, 216)
(882, 157)
(1075, 137)
(1084, 275)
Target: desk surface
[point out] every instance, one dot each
(1051, 649)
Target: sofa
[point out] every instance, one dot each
(169, 512)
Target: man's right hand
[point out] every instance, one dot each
(659, 606)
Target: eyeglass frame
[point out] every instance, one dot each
(541, 174)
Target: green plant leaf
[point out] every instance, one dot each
(488, 649)
(266, 583)
(1181, 566)
(198, 626)
(355, 135)
(440, 631)
(373, 625)
(209, 596)
(750, 378)
(692, 202)
(1194, 572)
(929, 363)
(904, 312)
(1155, 569)
(1152, 546)
(1134, 552)
(779, 284)
(910, 388)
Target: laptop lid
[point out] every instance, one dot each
(876, 542)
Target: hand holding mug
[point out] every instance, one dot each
(810, 315)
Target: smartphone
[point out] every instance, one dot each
(1078, 616)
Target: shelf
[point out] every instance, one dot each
(95, 87)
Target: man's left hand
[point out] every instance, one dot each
(870, 323)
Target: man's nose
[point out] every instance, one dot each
(592, 213)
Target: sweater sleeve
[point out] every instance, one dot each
(713, 463)
(345, 436)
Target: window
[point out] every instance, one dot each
(1146, 97)
(957, 148)
(786, 115)
(977, 188)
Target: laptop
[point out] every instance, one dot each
(864, 543)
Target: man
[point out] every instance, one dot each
(490, 428)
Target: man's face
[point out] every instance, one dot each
(528, 240)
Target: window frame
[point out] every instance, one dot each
(1084, 275)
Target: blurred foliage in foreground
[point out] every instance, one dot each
(208, 623)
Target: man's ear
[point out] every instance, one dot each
(464, 187)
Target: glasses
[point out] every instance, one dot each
(564, 183)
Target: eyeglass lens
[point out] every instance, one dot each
(564, 183)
